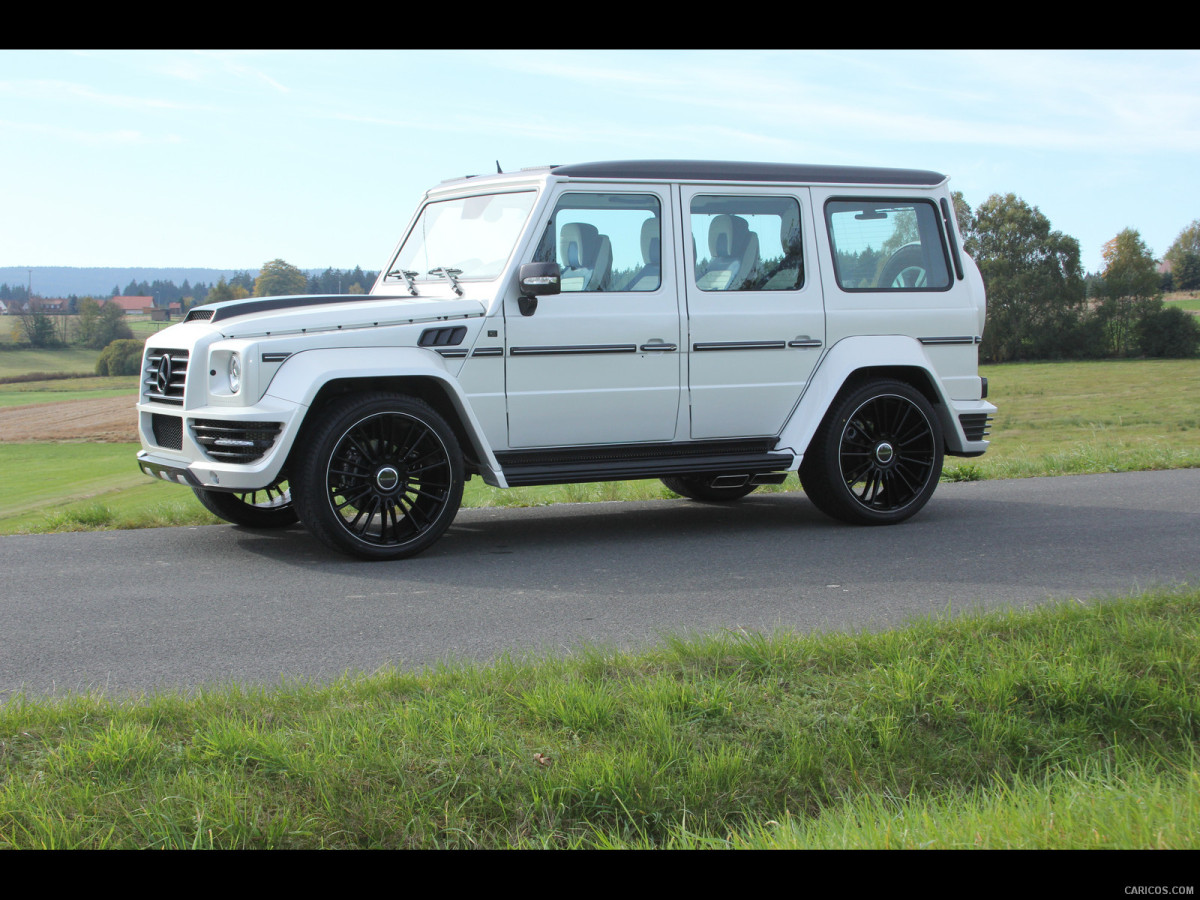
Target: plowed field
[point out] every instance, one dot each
(113, 419)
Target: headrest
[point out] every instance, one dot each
(651, 242)
(577, 245)
(727, 235)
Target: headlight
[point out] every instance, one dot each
(235, 373)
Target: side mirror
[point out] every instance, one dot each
(536, 280)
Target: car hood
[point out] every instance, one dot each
(276, 315)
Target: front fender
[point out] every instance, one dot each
(303, 375)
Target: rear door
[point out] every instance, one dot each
(755, 317)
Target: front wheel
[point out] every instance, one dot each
(380, 478)
(269, 507)
(877, 456)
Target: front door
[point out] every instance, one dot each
(599, 363)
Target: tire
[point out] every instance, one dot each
(905, 269)
(699, 487)
(379, 478)
(267, 508)
(877, 456)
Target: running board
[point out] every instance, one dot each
(749, 461)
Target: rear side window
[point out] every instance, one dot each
(887, 245)
(747, 243)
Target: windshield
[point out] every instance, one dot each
(475, 235)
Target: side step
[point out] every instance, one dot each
(739, 461)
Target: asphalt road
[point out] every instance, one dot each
(135, 611)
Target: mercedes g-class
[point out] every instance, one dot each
(715, 325)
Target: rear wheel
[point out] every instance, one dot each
(877, 456)
(269, 507)
(700, 487)
(380, 478)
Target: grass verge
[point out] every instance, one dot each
(1075, 725)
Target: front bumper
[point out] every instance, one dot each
(217, 448)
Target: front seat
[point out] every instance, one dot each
(649, 276)
(733, 255)
(585, 256)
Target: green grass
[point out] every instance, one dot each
(1075, 725)
(1189, 300)
(1052, 419)
(75, 360)
(58, 389)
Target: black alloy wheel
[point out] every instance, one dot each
(381, 478)
(877, 457)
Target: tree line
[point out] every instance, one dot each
(1042, 306)
(243, 284)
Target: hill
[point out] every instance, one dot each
(62, 281)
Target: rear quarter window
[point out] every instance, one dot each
(887, 245)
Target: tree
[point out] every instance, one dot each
(110, 326)
(219, 293)
(1188, 241)
(88, 323)
(37, 326)
(1187, 275)
(1168, 332)
(1130, 290)
(1033, 277)
(279, 279)
(121, 357)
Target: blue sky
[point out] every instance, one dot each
(233, 158)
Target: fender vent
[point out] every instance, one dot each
(442, 337)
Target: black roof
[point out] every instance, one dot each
(710, 170)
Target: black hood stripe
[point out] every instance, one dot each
(247, 307)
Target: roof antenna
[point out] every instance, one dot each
(498, 172)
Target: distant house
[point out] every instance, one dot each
(51, 304)
(133, 306)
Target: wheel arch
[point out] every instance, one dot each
(850, 364)
(330, 376)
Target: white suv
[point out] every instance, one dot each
(712, 324)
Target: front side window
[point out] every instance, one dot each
(747, 243)
(887, 245)
(475, 235)
(605, 242)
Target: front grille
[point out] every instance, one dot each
(168, 431)
(975, 425)
(164, 375)
(236, 442)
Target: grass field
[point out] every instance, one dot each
(76, 360)
(1053, 419)
(1071, 726)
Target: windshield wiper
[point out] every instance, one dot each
(408, 276)
(452, 274)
